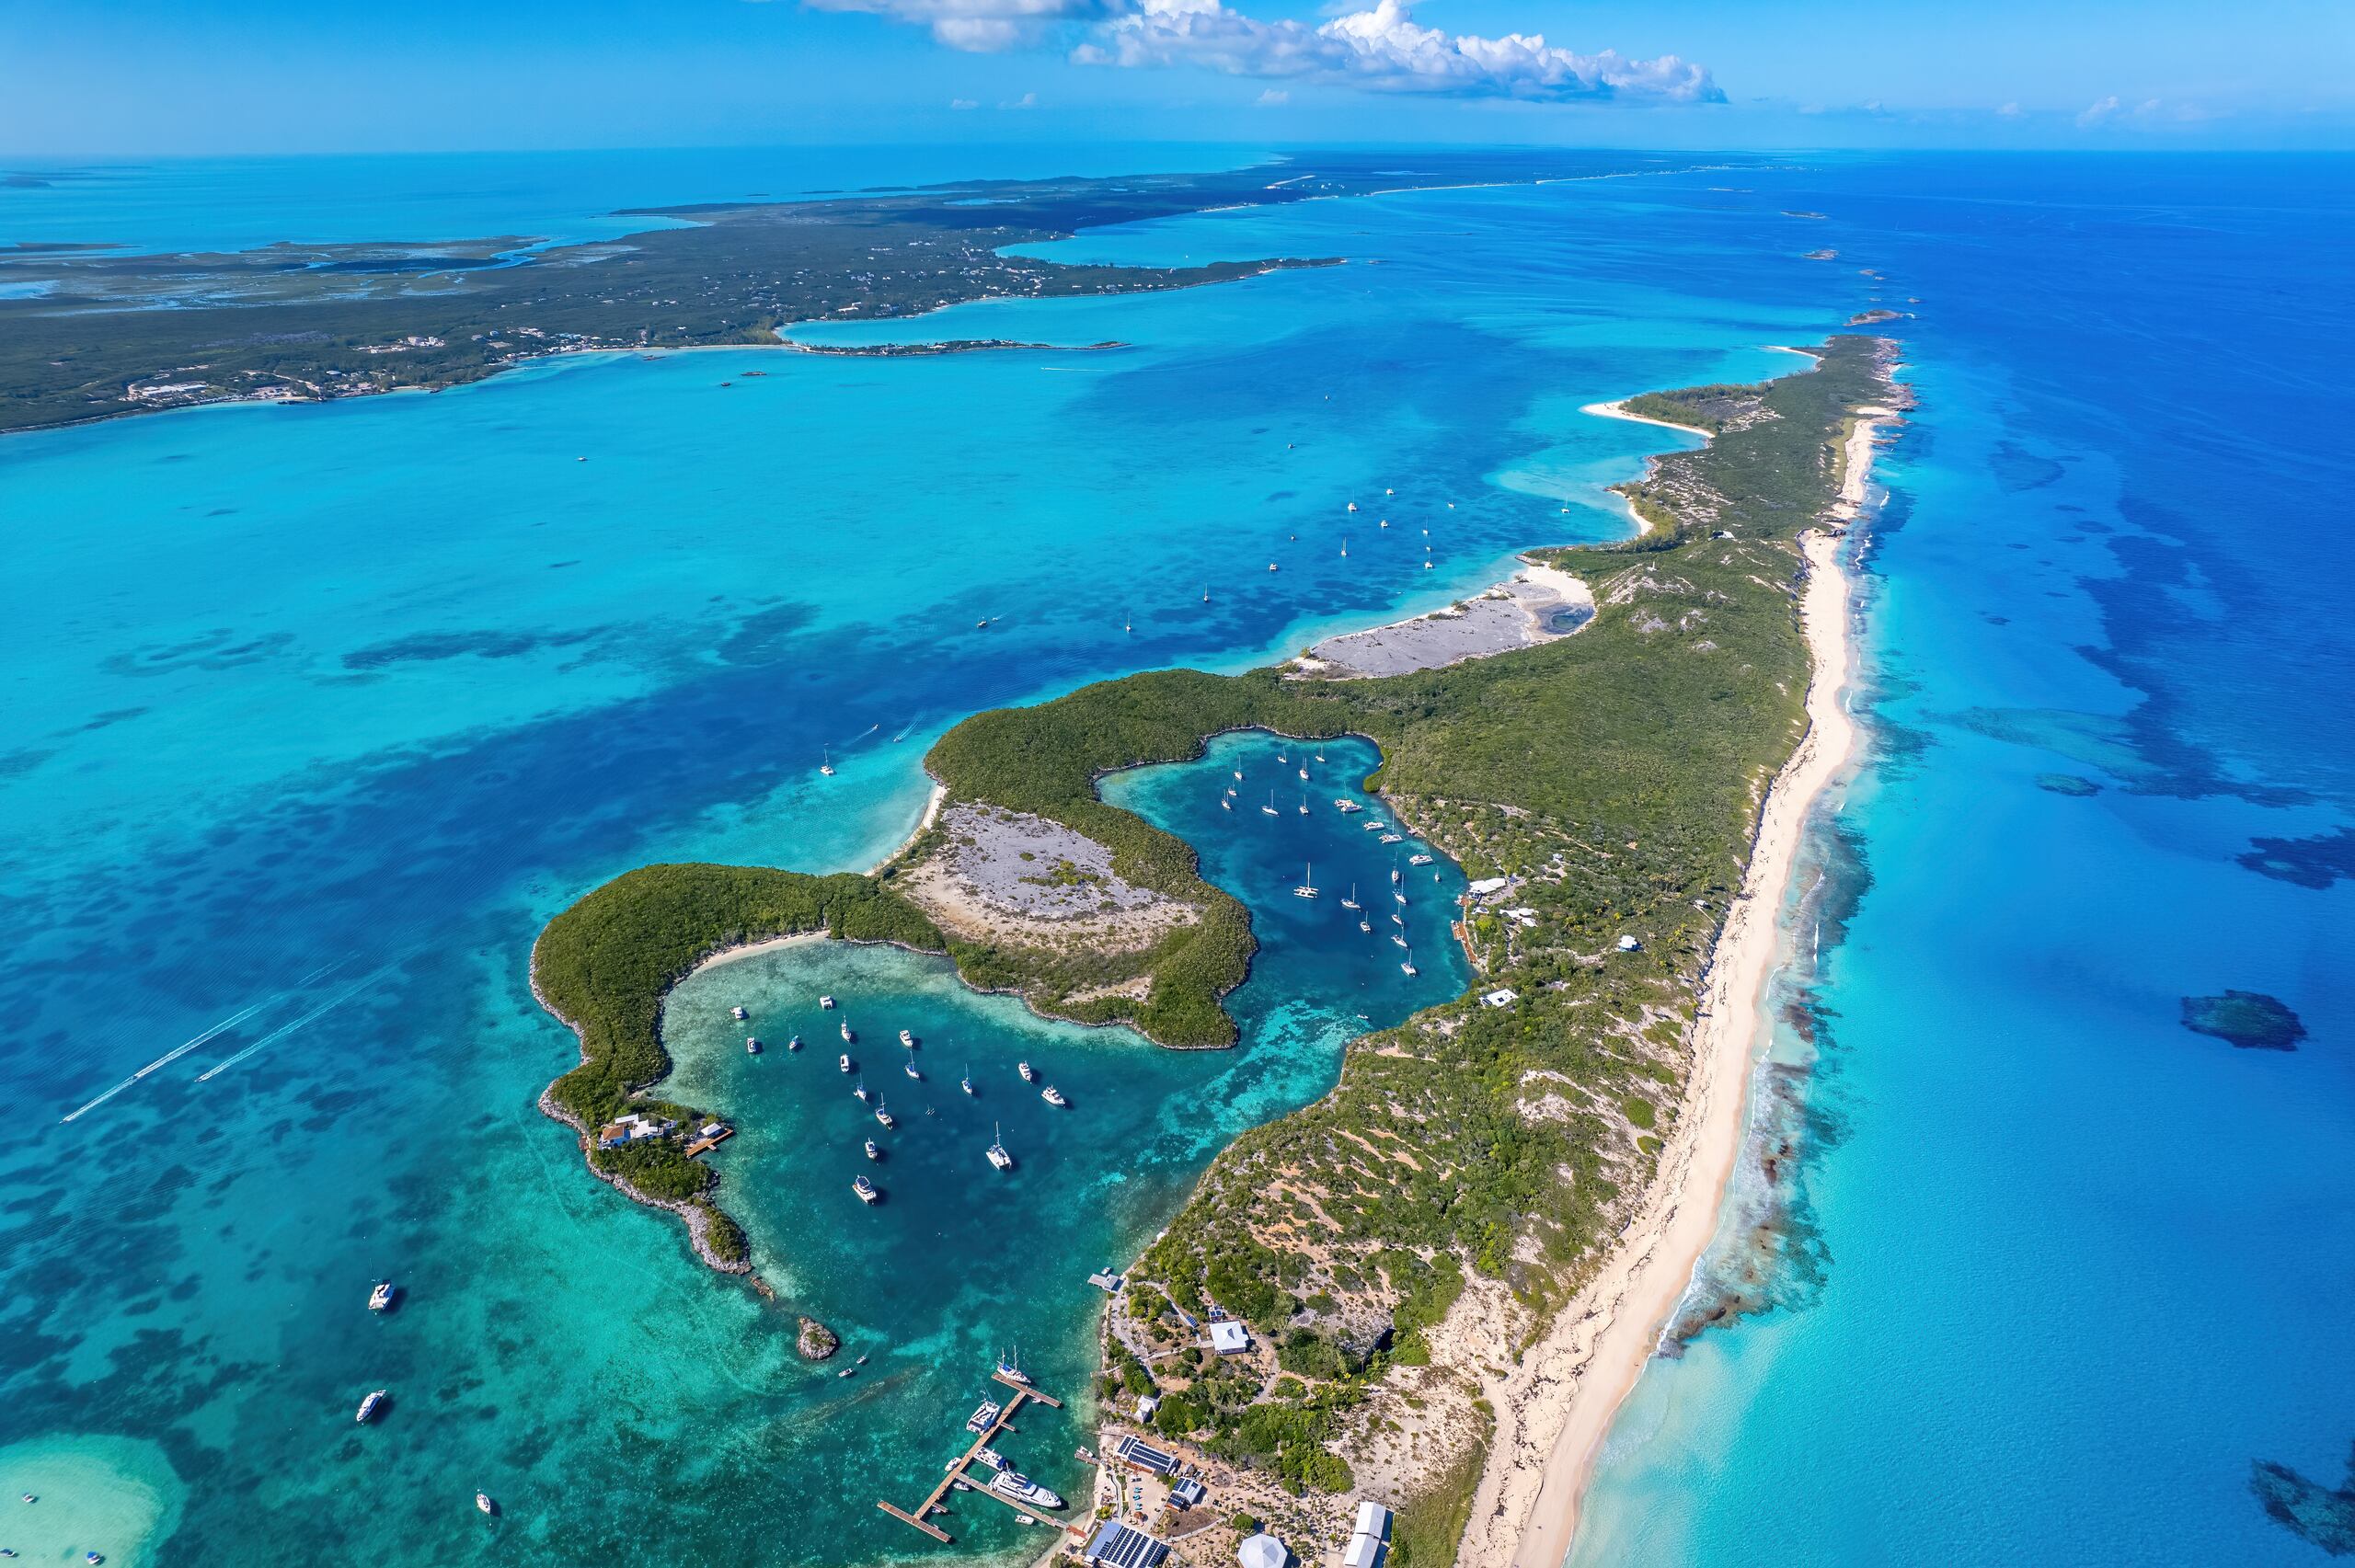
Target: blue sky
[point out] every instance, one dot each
(145, 76)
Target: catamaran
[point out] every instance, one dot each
(827, 767)
(865, 1189)
(738, 1014)
(827, 1002)
(1307, 889)
(380, 1297)
(1419, 860)
(1409, 965)
(752, 1045)
(997, 1154)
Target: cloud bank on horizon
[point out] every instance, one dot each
(1382, 50)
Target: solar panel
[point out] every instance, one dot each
(1148, 1456)
(1117, 1546)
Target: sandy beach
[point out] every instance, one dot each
(1559, 1403)
(1619, 411)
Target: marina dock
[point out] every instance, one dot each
(961, 1467)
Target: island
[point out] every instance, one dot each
(91, 332)
(1444, 1273)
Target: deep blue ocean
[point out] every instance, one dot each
(313, 714)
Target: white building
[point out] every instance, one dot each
(1503, 996)
(1263, 1550)
(1229, 1337)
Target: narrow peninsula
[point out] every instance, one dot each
(1451, 1264)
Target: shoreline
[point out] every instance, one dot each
(1564, 1397)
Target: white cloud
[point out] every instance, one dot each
(2098, 111)
(1027, 100)
(962, 103)
(1274, 98)
(2009, 111)
(1382, 50)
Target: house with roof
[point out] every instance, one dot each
(1116, 1545)
(1229, 1337)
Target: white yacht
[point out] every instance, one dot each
(910, 1069)
(997, 1154)
(882, 1116)
(1408, 966)
(907, 1039)
(794, 1044)
(380, 1297)
(965, 1083)
(990, 1457)
(484, 1504)
(752, 1045)
(826, 1001)
(827, 767)
(1419, 860)
(1365, 925)
(1304, 805)
(1344, 805)
(369, 1406)
(1225, 804)
(873, 1152)
(1020, 1487)
(1023, 1069)
(738, 1014)
(1351, 901)
(847, 1036)
(859, 1089)
(1391, 838)
(842, 1061)
(1399, 939)
(1054, 1096)
(865, 1189)
(1398, 895)
(1269, 809)
(983, 1417)
(1307, 889)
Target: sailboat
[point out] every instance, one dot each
(883, 1116)
(1408, 966)
(997, 1154)
(1351, 901)
(1304, 805)
(827, 765)
(1307, 889)
(911, 1067)
(1226, 801)
(859, 1089)
(965, 1083)
(1365, 925)
(1271, 807)
(1344, 549)
(1206, 593)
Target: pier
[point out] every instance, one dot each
(961, 1468)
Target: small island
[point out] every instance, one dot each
(2249, 1020)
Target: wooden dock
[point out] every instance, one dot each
(960, 1470)
(703, 1145)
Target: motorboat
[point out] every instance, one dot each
(990, 1457)
(1023, 1069)
(1054, 1096)
(1391, 838)
(794, 1044)
(370, 1406)
(907, 1039)
(1365, 925)
(965, 1083)
(380, 1297)
(1344, 805)
(842, 1061)
(865, 1189)
(752, 1046)
(739, 1014)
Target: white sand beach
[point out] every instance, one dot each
(1559, 1403)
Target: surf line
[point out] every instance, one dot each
(321, 1011)
(165, 1060)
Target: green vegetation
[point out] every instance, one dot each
(1426, 1528)
(1615, 777)
(605, 965)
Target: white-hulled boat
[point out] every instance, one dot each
(1396, 875)
(1399, 939)
(739, 1014)
(1365, 925)
(842, 1061)
(965, 1083)
(1225, 804)
(1054, 1096)
(997, 1154)
(827, 1002)
(983, 1417)
(1373, 825)
(1023, 1069)
(910, 1068)
(794, 1044)
(864, 1188)
(484, 1504)
(1307, 889)
(1409, 965)
(1304, 805)
(370, 1406)
(827, 767)
(1351, 901)
(873, 1152)
(907, 1039)
(859, 1089)
(882, 1116)
(1398, 895)
(1239, 776)
(1391, 838)
(1344, 805)
(990, 1457)
(752, 1046)
(1269, 809)
(1304, 775)
(1419, 860)
(847, 1036)
(1020, 1487)
(1397, 919)
(380, 1297)
(1010, 1367)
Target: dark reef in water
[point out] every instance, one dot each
(2315, 861)
(2249, 1019)
(2067, 784)
(2307, 1509)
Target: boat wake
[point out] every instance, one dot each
(289, 1028)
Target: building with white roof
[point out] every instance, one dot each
(1503, 996)
(1263, 1550)
(1229, 1337)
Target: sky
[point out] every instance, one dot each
(150, 77)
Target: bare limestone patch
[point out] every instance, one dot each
(1007, 875)
(1539, 604)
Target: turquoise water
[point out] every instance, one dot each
(315, 714)
(2064, 1270)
